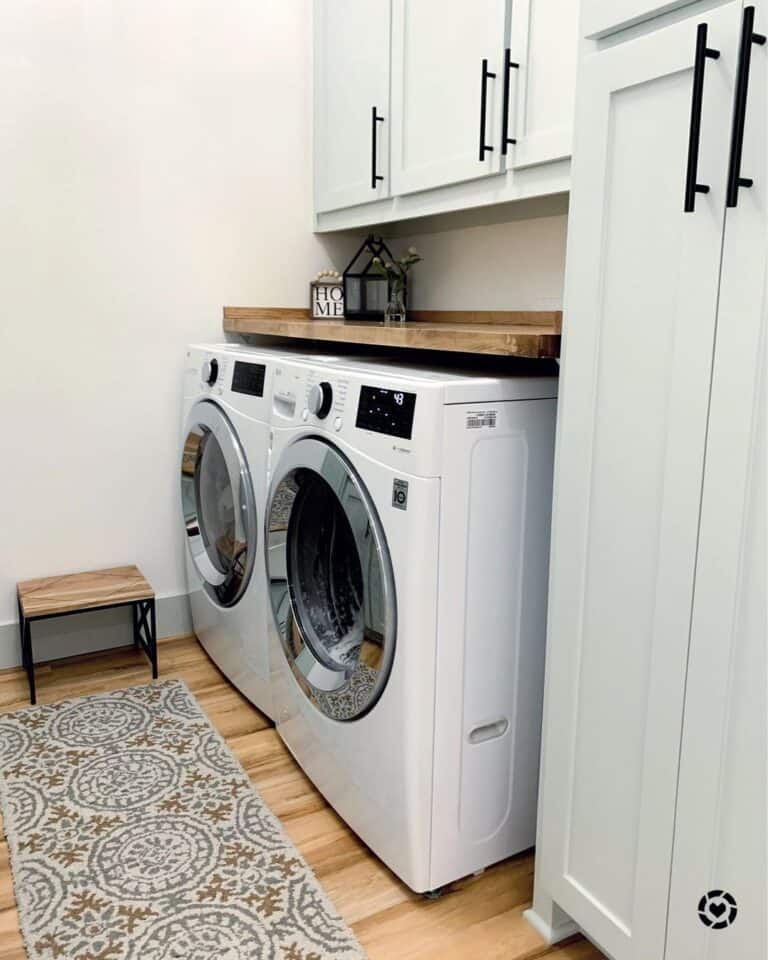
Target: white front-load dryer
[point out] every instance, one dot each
(407, 551)
(225, 446)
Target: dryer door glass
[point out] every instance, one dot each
(330, 578)
(218, 503)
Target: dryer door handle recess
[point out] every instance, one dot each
(489, 731)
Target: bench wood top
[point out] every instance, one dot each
(83, 591)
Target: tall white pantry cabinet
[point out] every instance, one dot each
(653, 805)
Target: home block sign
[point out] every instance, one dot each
(327, 300)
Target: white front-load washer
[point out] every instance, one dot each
(407, 550)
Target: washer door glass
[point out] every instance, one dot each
(330, 580)
(218, 504)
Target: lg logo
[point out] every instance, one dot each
(717, 910)
(400, 494)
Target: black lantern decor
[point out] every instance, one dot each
(367, 291)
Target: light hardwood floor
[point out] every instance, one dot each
(479, 918)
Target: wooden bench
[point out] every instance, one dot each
(62, 596)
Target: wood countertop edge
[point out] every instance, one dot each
(500, 333)
(552, 319)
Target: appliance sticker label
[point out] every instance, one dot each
(400, 494)
(477, 419)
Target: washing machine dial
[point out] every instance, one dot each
(320, 399)
(210, 371)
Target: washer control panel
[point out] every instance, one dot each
(393, 418)
(239, 375)
(386, 411)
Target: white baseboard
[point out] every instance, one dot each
(549, 933)
(90, 631)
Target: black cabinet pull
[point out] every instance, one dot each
(375, 119)
(509, 66)
(484, 148)
(748, 37)
(692, 187)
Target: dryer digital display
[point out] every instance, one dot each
(386, 411)
(249, 378)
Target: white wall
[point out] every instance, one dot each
(155, 164)
(502, 266)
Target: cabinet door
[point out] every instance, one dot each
(640, 304)
(351, 82)
(544, 44)
(439, 112)
(720, 836)
(602, 17)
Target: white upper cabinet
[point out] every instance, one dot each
(352, 121)
(446, 92)
(443, 142)
(541, 79)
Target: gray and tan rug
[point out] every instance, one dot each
(136, 835)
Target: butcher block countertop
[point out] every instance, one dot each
(509, 333)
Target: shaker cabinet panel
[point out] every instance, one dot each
(603, 17)
(641, 300)
(352, 121)
(721, 836)
(544, 45)
(445, 107)
(721, 840)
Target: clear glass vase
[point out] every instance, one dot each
(394, 312)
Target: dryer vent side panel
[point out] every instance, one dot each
(494, 554)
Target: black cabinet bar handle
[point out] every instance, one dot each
(509, 66)
(375, 119)
(692, 187)
(748, 37)
(484, 148)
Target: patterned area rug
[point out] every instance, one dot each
(136, 835)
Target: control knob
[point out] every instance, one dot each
(320, 399)
(210, 371)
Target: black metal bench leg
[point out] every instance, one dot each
(30, 662)
(145, 630)
(153, 637)
(22, 640)
(135, 621)
(27, 659)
